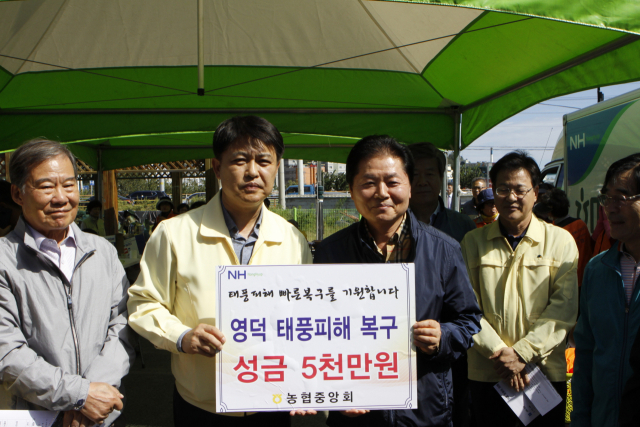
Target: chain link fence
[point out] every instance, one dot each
(333, 219)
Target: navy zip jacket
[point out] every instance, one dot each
(443, 293)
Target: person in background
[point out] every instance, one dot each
(486, 207)
(523, 272)
(556, 203)
(471, 206)
(429, 208)
(10, 211)
(92, 220)
(426, 203)
(379, 173)
(449, 195)
(173, 302)
(64, 340)
(165, 206)
(609, 304)
(183, 208)
(540, 210)
(129, 221)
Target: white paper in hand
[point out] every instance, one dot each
(540, 391)
(518, 402)
(538, 398)
(27, 418)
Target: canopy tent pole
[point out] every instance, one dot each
(281, 186)
(99, 195)
(455, 200)
(200, 48)
(445, 178)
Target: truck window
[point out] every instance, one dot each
(549, 176)
(560, 177)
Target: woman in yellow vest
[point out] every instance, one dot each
(486, 207)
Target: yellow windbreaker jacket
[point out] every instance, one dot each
(528, 297)
(175, 290)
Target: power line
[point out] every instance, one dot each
(545, 147)
(555, 105)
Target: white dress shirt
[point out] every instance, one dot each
(63, 255)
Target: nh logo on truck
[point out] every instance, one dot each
(575, 141)
(237, 274)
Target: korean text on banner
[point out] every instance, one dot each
(323, 337)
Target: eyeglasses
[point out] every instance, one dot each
(605, 200)
(505, 192)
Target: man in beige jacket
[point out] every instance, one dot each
(172, 303)
(523, 272)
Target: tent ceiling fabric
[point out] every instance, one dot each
(118, 153)
(152, 33)
(78, 71)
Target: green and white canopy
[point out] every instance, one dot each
(123, 75)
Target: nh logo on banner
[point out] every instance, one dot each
(576, 141)
(237, 275)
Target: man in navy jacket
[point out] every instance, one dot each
(379, 173)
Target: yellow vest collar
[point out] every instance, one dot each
(213, 224)
(535, 231)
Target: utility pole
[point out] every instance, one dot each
(282, 197)
(319, 204)
(300, 177)
(489, 166)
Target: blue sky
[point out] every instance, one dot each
(537, 127)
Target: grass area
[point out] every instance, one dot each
(333, 219)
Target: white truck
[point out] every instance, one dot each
(592, 139)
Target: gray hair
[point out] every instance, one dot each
(479, 178)
(31, 154)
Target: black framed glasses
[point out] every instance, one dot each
(605, 200)
(519, 192)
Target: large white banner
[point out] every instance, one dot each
(323, 337)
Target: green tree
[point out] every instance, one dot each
(467, 174)
(128, 186)
(193, 185)
(335, 181)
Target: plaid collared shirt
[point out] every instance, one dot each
(398, 246)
